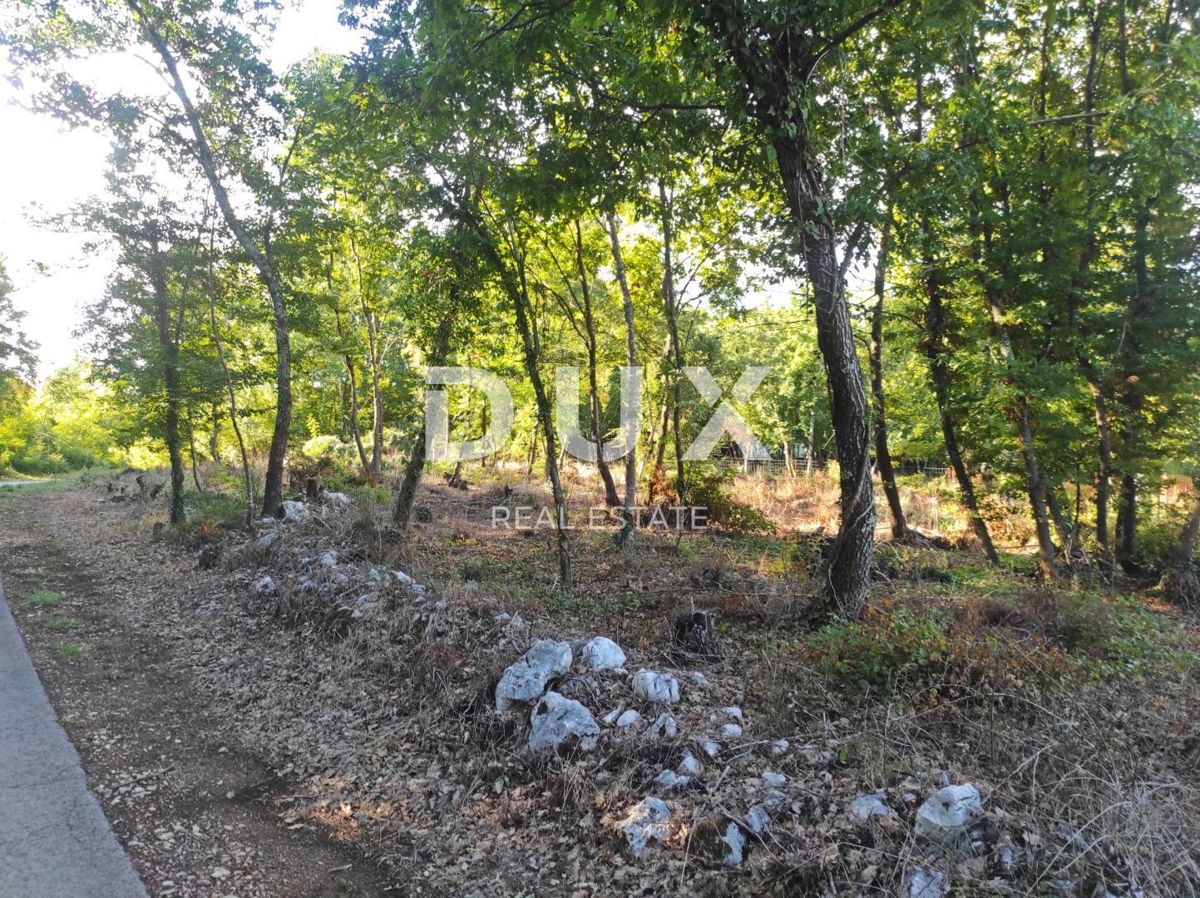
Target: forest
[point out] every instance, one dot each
(850, 348)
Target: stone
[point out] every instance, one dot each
(698, 678)
(268, 539)
(665, 726)
(294, 511)
(867, 806)
(779, 747)
(947, 814)
(527, 678)
(669, 781)
(758, 818)
(689, 766)
(601, 653)
(655, 687)
(329, 559)
(775, 799)
(735, 841)
(710, 747)
(340, 501)
(773, 779)
(560, 723)
(926, 883)
(611, 717)
(648, 821)
(265, 587)
(629, 718)
(733, 713)
(731, 731)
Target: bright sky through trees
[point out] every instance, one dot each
(46, 168)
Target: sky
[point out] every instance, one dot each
(45, 170)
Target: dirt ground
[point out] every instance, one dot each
(333, 735)
(198, 814)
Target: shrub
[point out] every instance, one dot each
(710, 487)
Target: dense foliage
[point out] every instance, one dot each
(962, 235)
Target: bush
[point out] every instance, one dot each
(710, 487)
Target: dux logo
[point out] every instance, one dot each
(726, 419)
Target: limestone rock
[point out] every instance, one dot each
(560, 723)
(648, 821)
(867, 806)
(947, 814)
(526, 680)
(655, 687)
(294, 511)
(601, 653)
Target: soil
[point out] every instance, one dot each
(199, 815)
(333, 734)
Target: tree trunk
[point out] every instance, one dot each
(671, 307)
(247, 480)
(883, 457)
(355, 430)
(1185, 549)
(849, 575)
(273, 484)
(625, 537)
(934, 344)
(371, 323)
(517, 289)
(168, 353)
(406, 493)
(611, 499)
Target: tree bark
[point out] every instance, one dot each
(273, 484)
(414, 467)
(611, 499)
(671, 308)
(355, 430)
(883, 456)
(247, 480)
(371, 323)
(625, 536)
(168, 349)
(1185, 549)
(934, 345)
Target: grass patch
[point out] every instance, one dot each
(69, 651)
(999, 642)
(42, 598)
(59, 623)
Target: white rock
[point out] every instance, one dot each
(733, 713)
(731, 731)
(735, 841)
(775, 799)
(601, 653)
(773, 779)
(867, 806)
(758, 818)
(526, 679)
(946, 815)
(689, 766)
(698, 678)
(629, 718)
(665, 726)
(648, 821)
(268, 539)
(294, 511)
(925, 883)
(339, 501)
(329, 559)
(265, 587)
(655, 687)
(611, 717)
(669, 780)
(562, 723)
(779, 746)
(710, 747)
